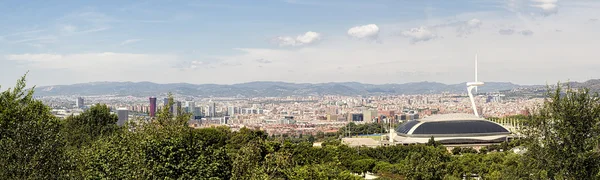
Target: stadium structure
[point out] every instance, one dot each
(452, 130)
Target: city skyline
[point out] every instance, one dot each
(227, 42)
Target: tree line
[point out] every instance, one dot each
(562, 143)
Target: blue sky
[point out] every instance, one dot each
(371, 41)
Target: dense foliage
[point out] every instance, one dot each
(363, 129)
(564, 135)
(31, 145)
(562, 143)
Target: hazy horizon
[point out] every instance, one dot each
(91, 82)
(526, 42)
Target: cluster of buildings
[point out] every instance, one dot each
(292, 114)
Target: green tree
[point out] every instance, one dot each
(563, 135)
(165, 148)
(246, 163)
(483, 150)
(311, 138)
(180, 153)
(118, 156)
(321, 171)
(30, 138)
(433, 143)
(166, 118)
(89, 125)
(425, 162)
(456, 150)
(278, 164)
(465, 165)
(363, 165)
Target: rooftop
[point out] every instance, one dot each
(450, 125)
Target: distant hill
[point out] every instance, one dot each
(278, 89)
(262, 89)
(593, 85)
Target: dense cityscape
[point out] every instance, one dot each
(300, 90)
(273, 113)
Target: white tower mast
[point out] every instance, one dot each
(476, 91)
(471, 86)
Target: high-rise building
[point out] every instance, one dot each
(224, 120)
(212, 109)
(123, 115)
(152, 106)
(171, 108)
(176, 109)
(231, 110)
(369, 115)
(79, 102)
(197, 112)
(190, 106)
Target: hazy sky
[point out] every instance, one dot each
(370, 41)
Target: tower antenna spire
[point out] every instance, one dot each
(474, 85)
(476, 91)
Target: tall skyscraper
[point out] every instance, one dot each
(231, 110)
(79, 102)
(176, 109)
(190, 106)
(212, 109)
(123, 115)
(166, 103)
(152, 106)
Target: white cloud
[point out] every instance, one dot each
(69, 28)
(369, 31)
(516, 5)
(309, 37)
(130, 41)
(474, 23)
(444, 60)
(502, 58)
(548, 8)
(54, 68)
(545, 1)
(72, 29)
(419, 34)
(468, 27)
(195, 64)
(92, 63)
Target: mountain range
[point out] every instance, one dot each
(276, 89)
